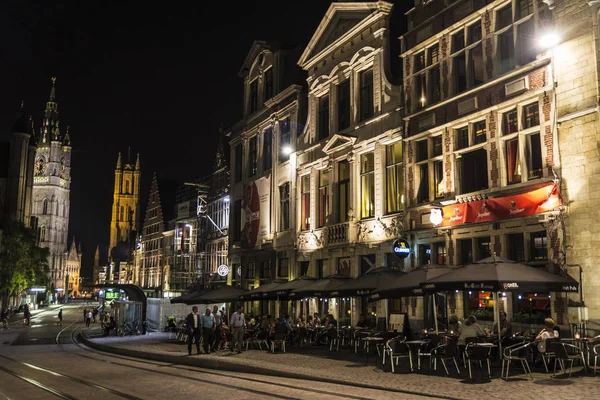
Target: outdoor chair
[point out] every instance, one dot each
(516, 352)
(346, 336)
(446, 351)
(278, 340)
(468, 340)
(260, 337)
(334, 339)
(474, 352)
(302, 335)
(565, 352)
(358, 336)
(425, 351)
(596, 350)
(545, 353)
(397, 349)
(248, 340)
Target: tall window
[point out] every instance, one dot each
(438, 179)
(285, 129)
(323, 201)
(253, 100)
(122, 214)
(323, 129)
(343, 205)
(539, 246)
(462, 138)
(516, 247)
(506, 51)
(421, 90)
(43, 234)
(437, 146)
(479, 132)
(423, 192)
(284, 206)
(265, 269)
(531, 115)
(394, 181)
(484, 248)
(267, 155)
(251, 270)
(523, 50)
(237, 176)
(435, 77)
(268, 85)
(45, 207)
(344, 105)
(127, 186)
(321, 268)
(252, 156)
(473, 171)
(533, 155)
(367, 183)
(459, 60)
(284, 268)
(237, 221)
(421, 150)
(513, 161)
(509, 122)
(305, 203)
(366, 95)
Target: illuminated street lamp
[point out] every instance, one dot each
(287, 150)
(549, 39)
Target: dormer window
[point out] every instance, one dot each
(253, 100)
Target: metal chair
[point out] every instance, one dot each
(425, 351)
(565, 352)
(278, 340)
(545, 353)
(516, 352)
(596, 350)
(260, 337)
(446, 351)
(474, 352)
(334, 339)
(397, 349)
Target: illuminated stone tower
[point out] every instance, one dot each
(126, 202)
(51, 192)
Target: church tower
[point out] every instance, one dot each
(126, 202)
(51, 192)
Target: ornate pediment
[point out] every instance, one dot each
(341, 18)
(338, 142)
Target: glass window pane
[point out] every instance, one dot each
(477, 67)
(513, 161)
(479, 129)
(421, 147)
(509, 122)
(423, 192)
(462, 138)
(504, 17)
(534, 156)
(434, 54)
(475, 32)
(531, 115)
(437, 146)
(394, 153)
(438, 172)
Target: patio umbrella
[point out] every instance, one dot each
(186, 298)
(257, 294)
(283, 290)
(373, 279)
(499, 275)
(404, 285)
(320, 287)
(223, 294)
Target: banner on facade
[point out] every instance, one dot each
(256, 212)
(520, 205)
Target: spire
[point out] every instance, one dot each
(220, 157)
(21, 125)
(97, 256)
(119, 161)
(67, 138)
(50, 129)
(137, 162)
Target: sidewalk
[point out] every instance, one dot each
(318, 363)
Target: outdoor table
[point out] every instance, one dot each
(416, 344)
(369, 340)
(584, 345)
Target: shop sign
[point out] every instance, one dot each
(112, 295)
(401, 248)
(223, 270)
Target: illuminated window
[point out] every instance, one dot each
(284, 206)
(438, 178)
(305, 203)
(344, 105)
(479, 130)
(343, 205)
(509, 122)
(539, 246)
(367, 177)
(394, 176)
(366, 94)
(323, 201)
(323, 128)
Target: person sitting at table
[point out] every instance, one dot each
(266, 323)
(279, 328)
(505, 326)
(332, 321)
(362, 322)
(454, 324)
(548, 332)
(309, 322)
(317, 319)
(252, 322)
(470, 329)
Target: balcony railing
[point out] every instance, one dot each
(338, 233)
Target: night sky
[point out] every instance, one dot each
(160, 80)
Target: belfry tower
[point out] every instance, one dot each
(126, 202)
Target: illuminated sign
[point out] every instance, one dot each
(223, 270)
(112, 295)
(401, 248)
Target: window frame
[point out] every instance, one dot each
(397, 166)
(323, 123)
(344, 105)
(305, 191)
(253, 96)
(284, 206)
(366, 83)
(253, 156)
(323, 198)
(367, 182)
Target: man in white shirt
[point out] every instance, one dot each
(193, 326)
(237, 324)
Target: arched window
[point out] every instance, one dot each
(45, 207)
(127, 186)
(121, 214)
(42, 233)
(65, 209)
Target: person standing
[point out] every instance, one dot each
(59, 318)
(193, 326)
(207, 321)
(84, 314)
(88, 318)
(218, 327)
(237, 324)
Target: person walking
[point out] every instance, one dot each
(84, 314)
(237, 324)
(88, 318)
(193, 326)
(218, 328)
(59, 318)
(207, 321)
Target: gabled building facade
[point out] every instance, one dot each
(73, 270)
(497, 114)
(349, 183)
(263, 168)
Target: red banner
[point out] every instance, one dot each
(520, 205)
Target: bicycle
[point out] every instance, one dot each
(4, 324)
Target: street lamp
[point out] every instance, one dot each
(549, 39)
(286, 150)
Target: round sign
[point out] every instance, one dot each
(401, 248)
(239, 271)
(223, 270)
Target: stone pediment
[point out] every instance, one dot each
(340, 19)
(338, 142)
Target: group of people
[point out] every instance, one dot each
(88, 315)
(209, 326)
